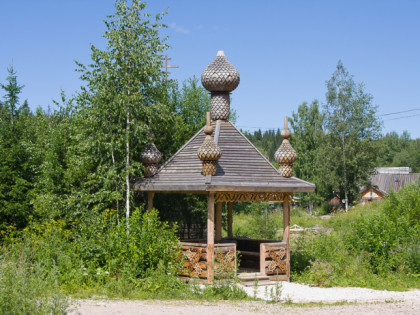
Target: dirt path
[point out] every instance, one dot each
(352, 301)
(238, 308)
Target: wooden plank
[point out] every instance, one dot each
(279, 278)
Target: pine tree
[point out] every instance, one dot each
(12, 89)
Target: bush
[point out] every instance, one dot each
(391, 237)
(132, 249)
(98, 252)
(372, 246)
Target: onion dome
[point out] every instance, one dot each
(285, 155)
(220, 78)
(209, 152)
(150, 157)
(220, 75)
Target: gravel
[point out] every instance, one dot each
(299, 293)
(351, 301)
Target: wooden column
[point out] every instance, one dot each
(150, 196)
(230, 218)
(218, 236)
(286, 233)
(210, 236)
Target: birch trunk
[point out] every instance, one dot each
(127, 166)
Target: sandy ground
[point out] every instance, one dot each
(356, 301)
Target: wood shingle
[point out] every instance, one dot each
(241, 168)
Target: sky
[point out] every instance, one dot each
(285, 51)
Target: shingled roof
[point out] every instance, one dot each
(241, 168)
(387, 182)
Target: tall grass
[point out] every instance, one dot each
(373, 246)
(376, 245)
(27, 288)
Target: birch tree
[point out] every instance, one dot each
(352, 127)
(124, 84)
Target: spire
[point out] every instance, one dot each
(220, 77)
(150, 157)
(209, 152)
(285, 155)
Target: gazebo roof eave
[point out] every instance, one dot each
(202, 189)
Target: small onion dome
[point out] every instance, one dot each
(220, 75)
(285, 155)
(150, 157)
(209, 152)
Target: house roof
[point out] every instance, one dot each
(386, 183)
(241, 168)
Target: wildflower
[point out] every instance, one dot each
(85, 274)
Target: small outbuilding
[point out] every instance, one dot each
(385, 180)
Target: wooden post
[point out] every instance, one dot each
(230, 219)
(150, 196)
(262, 259)
(286, 233)
(210, 236)
(218, 236)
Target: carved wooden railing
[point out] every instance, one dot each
(195, 263)
(274, 260)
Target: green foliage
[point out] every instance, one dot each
(12, 90)
(375, 246)
(351, 124)
(98, 250)
(27, 288)
(17, 166)
(224, 290)
(399, 150)
(123, 98)
(391, 237)
(257, 220)
(307, 136)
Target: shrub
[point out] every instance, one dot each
(98, 251)
(391, 237)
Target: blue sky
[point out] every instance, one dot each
(284, 50)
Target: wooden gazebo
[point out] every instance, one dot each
(227, 168)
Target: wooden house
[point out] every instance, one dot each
(385, 180)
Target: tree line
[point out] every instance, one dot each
(83, 157)
(339, 143)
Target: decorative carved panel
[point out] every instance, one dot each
(252, 196)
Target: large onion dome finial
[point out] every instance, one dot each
(220, 77)
(209, 152)
(150, 157)
(285, 155)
